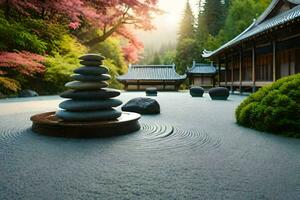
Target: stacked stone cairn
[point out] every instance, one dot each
(89, 99)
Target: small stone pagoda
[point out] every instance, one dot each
(91, 107)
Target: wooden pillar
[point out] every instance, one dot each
(240, 68)
(253, 67)
(274, 60)
(226, 69)
(126, 86)
(138, 85)
(231, 87)
(164, 85)
(219, 72)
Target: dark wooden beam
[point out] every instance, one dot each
(231, 87)
(240, 68)
(138, 83)
(226, 69)
(219, 71)
(274, 59)
(253, 67)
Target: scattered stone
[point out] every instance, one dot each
(151, 91)
(196, 91)
(219, 93)
(92, 57)
(75, 105)
(78, 85)
(104, 93)
(142, 105)
(88, 70)
(28, 93)
(102, 115)
(87, 78)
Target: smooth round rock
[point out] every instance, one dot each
(88, 115)
(196, 91)
(92, 56)
(219, 93)
(104, 93)
(49, 124)
(142, 105)
(74, 105)
(80, 77)
(88, 70)
(151, 91)
(77, 85)
(94, 63)
(28, 93)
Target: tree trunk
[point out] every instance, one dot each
(103, 37)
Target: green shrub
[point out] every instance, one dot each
(274, 108)
(61, 65)
(8, 85)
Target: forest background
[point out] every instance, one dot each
(41, 40)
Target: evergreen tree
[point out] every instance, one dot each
(186, 28)
(156, 60)
(186, 44)
(213, 16)
(241, 14)
(201, 32)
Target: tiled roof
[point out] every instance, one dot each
(151, 72)
(199, 68)
(261, 26)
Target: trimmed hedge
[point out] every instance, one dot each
(274, 108)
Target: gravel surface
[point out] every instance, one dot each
(192, 150)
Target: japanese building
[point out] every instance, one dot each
(202, 75)
(266, 51)
(140, 77)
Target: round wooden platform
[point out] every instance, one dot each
(49, 124)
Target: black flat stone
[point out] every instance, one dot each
(75, 105)
(78, 85)
(94, 63)
(80, 77)
(90, 70)
(101, 115)
(142, 105)
(92, 56)
(104, 93)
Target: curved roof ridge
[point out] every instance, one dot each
(267, 11)
(255, 28)
(208, 53)
(270, 8)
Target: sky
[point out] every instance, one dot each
(166, 24)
